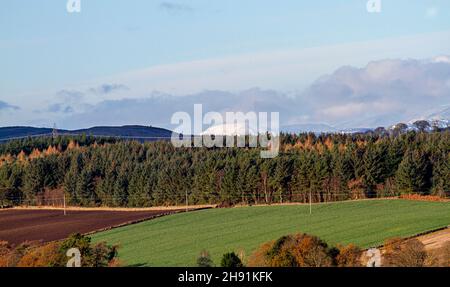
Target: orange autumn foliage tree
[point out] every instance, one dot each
(356, 188)
(299, 250)
(259, 258)
(404, 253)
(21, 157)
(44, 256)
(5, 249)
(72, 145)
(329, 143)
(303, 250)
(7, 158)
(349, 256)
(34, 254)
(51, 150)
(35, 154)
(9, 256)
(310, 251)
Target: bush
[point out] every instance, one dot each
(204, 260)
(404, 253)
(42, 256)
(280, 255)
(10, 257)
(420, 197)
(349, 256)
(231, 260)
(33, 254)
(299, 250)
(310, 251)
(4, 247)
(259, 258)
(440, 257)
(99, 255)
(5, 250)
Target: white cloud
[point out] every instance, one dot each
(354, 109)
(357, 110)
(7, 106)
(282, 70)
(401, 89)
(379, 94)
(285, 71)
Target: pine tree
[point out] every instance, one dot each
(341, 176)
(441, 175)
(69, 185)
(229, 194)
(84, 188)
(120, 192)
(35, 180)
(413, 173)
(374, 167)
(280, 178)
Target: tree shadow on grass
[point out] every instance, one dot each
(137, 265)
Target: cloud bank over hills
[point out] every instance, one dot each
(6, 106)
(380, 94)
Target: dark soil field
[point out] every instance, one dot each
(19, 225)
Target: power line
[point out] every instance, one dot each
(262, 194)
(54, 131)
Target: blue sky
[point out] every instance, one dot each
(44, 49)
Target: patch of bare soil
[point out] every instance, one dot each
(436, 239)
(19, 225)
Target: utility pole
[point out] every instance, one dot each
(64, 202)
(310, 202)
(54, 131)
(187, 203)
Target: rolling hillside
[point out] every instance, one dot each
(131, 131)
(177, 240)
(17, 132)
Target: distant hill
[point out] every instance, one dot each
(19, 132)
(125, 131)
(129, 132)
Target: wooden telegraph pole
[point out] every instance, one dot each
(64, 203)
(310, 201)
(187, 203)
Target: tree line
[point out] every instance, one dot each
(329, 167)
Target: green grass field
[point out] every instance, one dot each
(177, 240)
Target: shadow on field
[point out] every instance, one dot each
(137, 265)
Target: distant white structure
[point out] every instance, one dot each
(251, 124)
(231, 129)
(441, 59)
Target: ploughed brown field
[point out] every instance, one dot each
(19, 225)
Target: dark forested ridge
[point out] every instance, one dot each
(108, 172)
(130, 131)
(20, 131)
